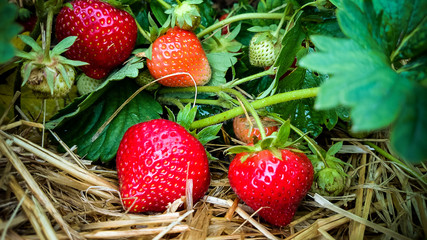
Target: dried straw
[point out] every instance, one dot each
(46, 195)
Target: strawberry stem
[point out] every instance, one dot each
(48, 34)
(231, 84)
(240, 17)
(282, 21)
(164, 4)
(143, 32)
(234, 112)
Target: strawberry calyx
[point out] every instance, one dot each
(223, 43)
(185, 14)
(274, 143)
(39, 68)
(329, 174)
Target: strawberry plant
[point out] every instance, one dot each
(313, 66)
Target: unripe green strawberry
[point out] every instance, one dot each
(263, 50)
(87, 84)
(48, 74)
(145, 78)
(329, 182)
(38, 83)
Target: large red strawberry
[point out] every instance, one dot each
(106, 35)
(247, 131)
(154, 161)
(275, 185)
(271, 178)
(179, 51)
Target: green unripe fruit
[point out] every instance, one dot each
(87, 84)
(263, 50)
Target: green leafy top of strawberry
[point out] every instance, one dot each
(276, 141)
(329, 174)
(186, 116)
(223, 43)
(52, 64)
(185, 15)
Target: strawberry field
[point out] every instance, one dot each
(205, 119)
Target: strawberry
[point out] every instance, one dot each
(263, 50)
(48, 73)
(154, 161)
(145, 78)
(275, 185)
(226, 29)
(247, 131)
(106, 35)
(87, 84)
(175, 52)
(271, 176)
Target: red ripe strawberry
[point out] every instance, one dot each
(179, 51)
(275, 185)
(106, 35)
(249, 133)
(154, 161)
(226, 29)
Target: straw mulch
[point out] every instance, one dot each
(49, 195)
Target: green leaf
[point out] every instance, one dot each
(408, 133)
(208, 134)
(31, 42)
(64, 74)
(28, 68)
(366, 76)
(335, 148)
(70, 62)
(291, 45)
(302, 113)
(25, 55)
(282, 135)
(8, 30)
(80, 132)
(186, 116)
(50, 78)
(63, 45)
(220, 63)
(131, 70)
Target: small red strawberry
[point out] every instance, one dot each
(175, 52)
(154, 161)
(106, 35)
(248, 132)
(226, 29)
(270, 177)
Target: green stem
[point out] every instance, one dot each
(240, 17)
(270, 71)
(217, 89)
(234, 112)
(164, 4)
(48, 35)
(214, 102)
(390, 157)
(143, 32)
(282, 21)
